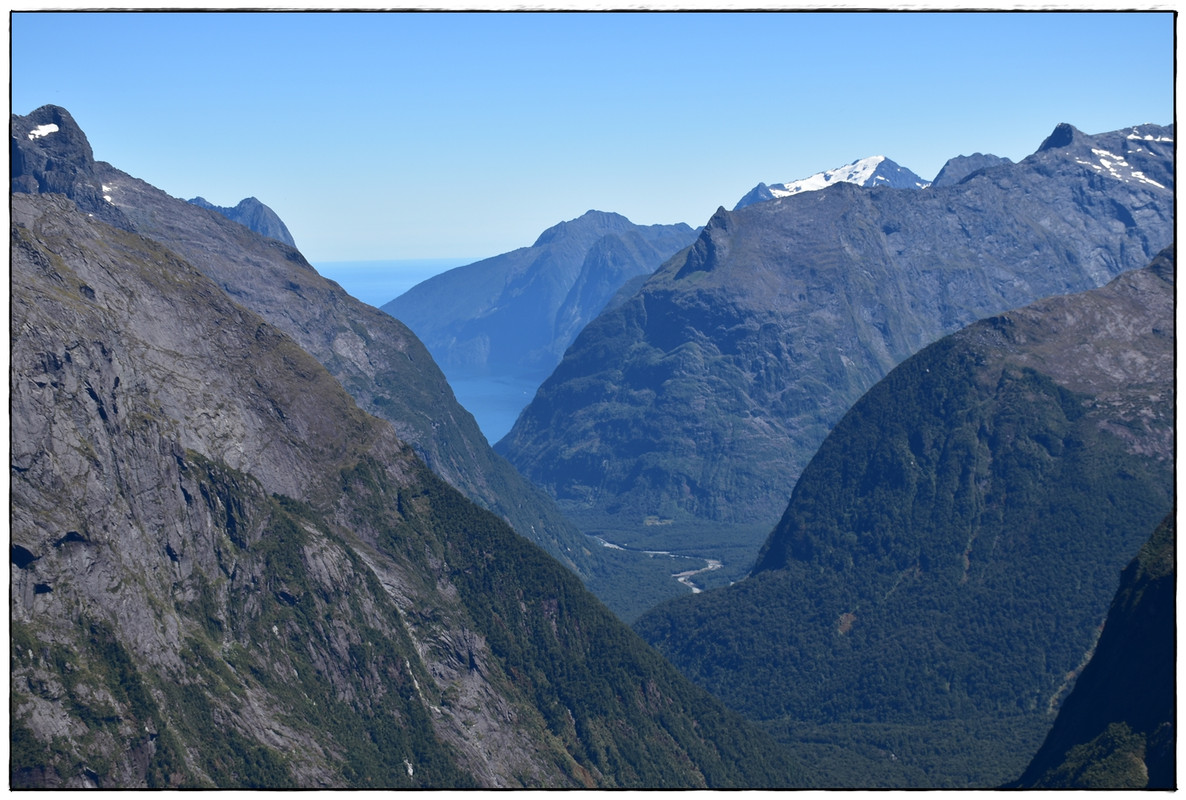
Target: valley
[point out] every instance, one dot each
(838, 490)
(685, 577)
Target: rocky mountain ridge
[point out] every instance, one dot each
(376, 358)
(704, 394)
(226, 574)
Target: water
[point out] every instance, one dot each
(380, 282)
(494, 400)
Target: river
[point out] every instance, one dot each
(684, 577)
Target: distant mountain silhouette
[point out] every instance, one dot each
(255, 215)
(515, 314)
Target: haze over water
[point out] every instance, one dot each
(379, 282)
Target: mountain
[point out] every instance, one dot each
(945, 561)
(703, 395)
(225, 574)
(253, 214)
(516, 313)
(376, 358)
(960, 167)
(1117, 727)
(867, 172)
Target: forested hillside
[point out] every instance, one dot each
(946, 559)
(1118, 728)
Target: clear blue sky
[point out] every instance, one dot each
(413, 135)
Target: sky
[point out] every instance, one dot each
(465, 135)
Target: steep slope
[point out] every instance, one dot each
(516, 314)
(867, 172)
(1117, 729)
(224, 573)
(254, 215)
(376, 358)
(947, 556)
(704, 394)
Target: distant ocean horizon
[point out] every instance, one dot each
(380, 282)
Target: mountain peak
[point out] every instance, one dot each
(53, 129)
(867, 172)
(1063, 135)
(592, 220)
(253, 214)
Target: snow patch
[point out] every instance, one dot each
(1148, 137)
(1110, 163)
(857, 172)
(43, 130)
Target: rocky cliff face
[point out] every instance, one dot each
(253, 214)
(947, 557)
(706, 392)
(376, 358)
(224, 573)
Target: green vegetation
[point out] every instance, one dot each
(1117, 728)
(635, 579)
(948, 555)
(618, 709)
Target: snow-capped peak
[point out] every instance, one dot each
(859, 172)
(867, 172)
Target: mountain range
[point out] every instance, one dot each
(867, 172)
(256, 542)
(947, 557)
(701, 397)
(226, 573)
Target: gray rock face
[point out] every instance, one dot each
(254, 215)
(376, 358)
(706, 392)
(153, 421)
(225, 574)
